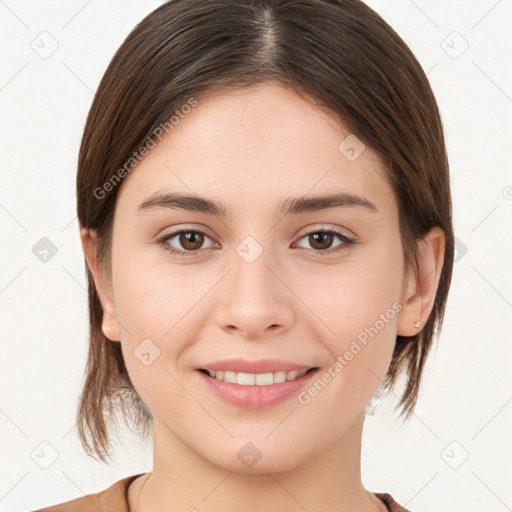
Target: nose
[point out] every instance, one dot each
(255, 298)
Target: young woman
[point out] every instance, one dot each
(264, 207)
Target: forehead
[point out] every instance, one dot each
(252, 148)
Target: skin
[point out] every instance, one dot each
(290, 303)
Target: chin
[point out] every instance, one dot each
(250, 460)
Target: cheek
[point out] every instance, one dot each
(155, 298)
(154, 313)
(155, 308)
(356, 294)
(360, 344)
(359, 310)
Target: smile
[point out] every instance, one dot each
(255, 379)
(256, 391)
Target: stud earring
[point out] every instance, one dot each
(416, 324)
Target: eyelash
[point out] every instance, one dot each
(347, 242)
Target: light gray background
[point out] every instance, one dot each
(454, 455)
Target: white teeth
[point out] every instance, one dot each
(228, 377)
(264, 379)
(255, 379)
(246, 379)
(279, 377)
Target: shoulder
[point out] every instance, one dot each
(390, 503)
(113, 499)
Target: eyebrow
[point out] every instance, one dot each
(297, 205)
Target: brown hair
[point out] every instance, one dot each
(339, 52)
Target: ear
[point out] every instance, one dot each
(110, 325)
(419, 291)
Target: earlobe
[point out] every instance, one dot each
(110, 325)
(422, 286)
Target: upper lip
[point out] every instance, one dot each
(259, 366)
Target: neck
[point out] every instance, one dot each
(183, 480)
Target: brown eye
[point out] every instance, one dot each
(189, 241)
(321, 241)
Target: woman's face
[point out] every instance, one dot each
(256, 287)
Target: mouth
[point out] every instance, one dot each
(255, 391)
(256, 379)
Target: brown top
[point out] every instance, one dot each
(114, 499)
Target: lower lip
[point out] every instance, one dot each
(256, 397)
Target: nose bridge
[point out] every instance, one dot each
(254, 297)
(252, 261)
